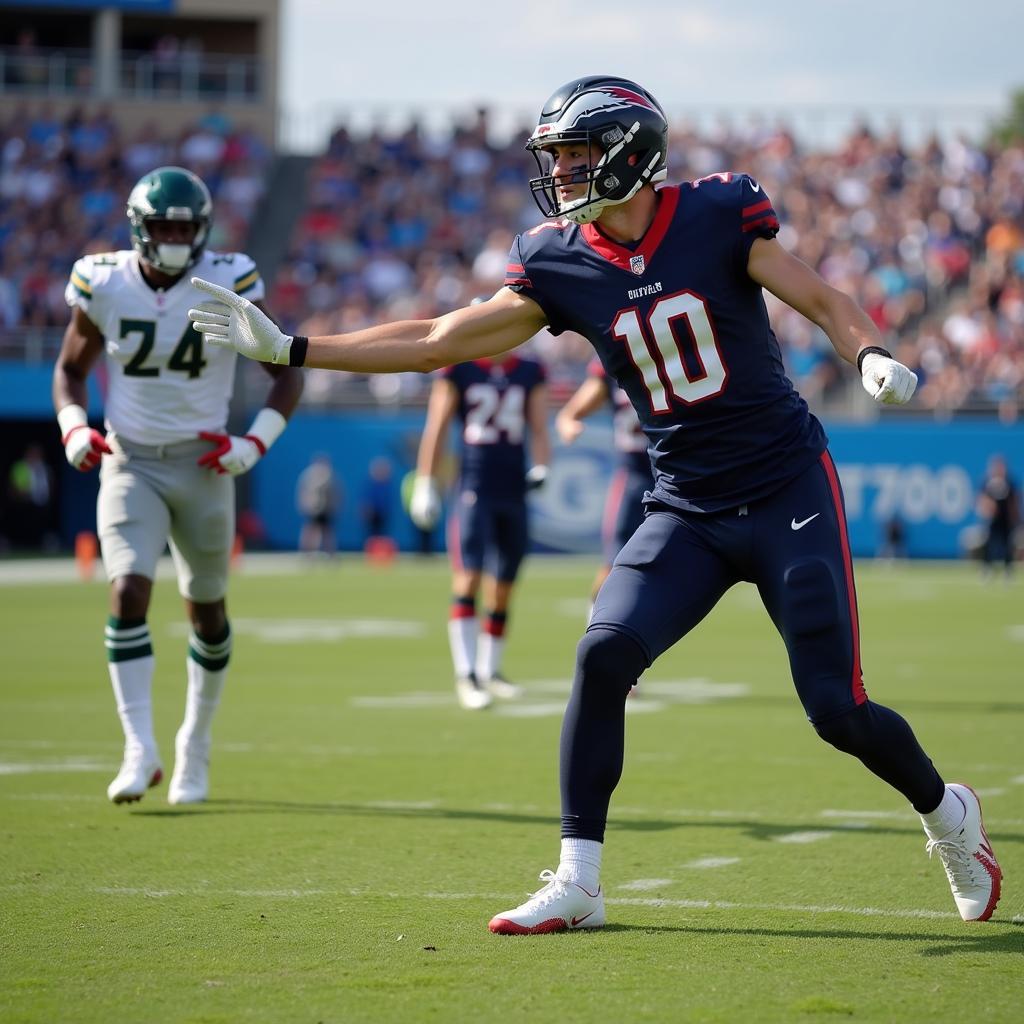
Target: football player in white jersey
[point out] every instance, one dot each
(166, 460)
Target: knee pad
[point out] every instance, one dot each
(851, 732)
(810, 601)
(607, 658)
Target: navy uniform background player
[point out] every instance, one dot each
(502, 406)
(666, 284)
(632, 477)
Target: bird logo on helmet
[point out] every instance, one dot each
(621, 121)
(169, 194)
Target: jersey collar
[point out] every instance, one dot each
(668, 200)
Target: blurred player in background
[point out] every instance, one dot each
(999, 509)
(166, 461)
(666, 284)
(632, 479)
(318, 497)
(501, 404)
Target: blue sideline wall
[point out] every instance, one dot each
(925, 472)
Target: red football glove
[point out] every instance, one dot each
(84, 447)
(233, 455)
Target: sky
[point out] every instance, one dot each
(942, 59)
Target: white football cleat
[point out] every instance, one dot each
(471, 694)
(560, 906)
(140, 770)
(190, 783)
(971, 866)
(501, 688)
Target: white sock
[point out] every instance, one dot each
(133, 682)
(201, 700)
(489, 650)
(580, 862)
(947, 816)
(462, 634)
(206, 667)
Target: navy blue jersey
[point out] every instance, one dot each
(493, 398)
(683, 329)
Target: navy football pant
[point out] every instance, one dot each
(488, 536)
(793, 546)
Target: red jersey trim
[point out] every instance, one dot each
(668, 201)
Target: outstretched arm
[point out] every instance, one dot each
(851, 331)
(489, 328)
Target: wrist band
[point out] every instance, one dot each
(876, 349)
(297, 353)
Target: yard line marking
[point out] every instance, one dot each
(712, 862)
(643, 884)
(619, 901)
(739, 816)
(802, 837)
(300, 631)
(40, 767)
(193, 892)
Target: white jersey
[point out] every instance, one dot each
(164, 385)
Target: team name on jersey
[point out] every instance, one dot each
(647, 289)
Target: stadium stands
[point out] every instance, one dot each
(929, 240)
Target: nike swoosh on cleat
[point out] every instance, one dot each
(794, 525)
(576, 921)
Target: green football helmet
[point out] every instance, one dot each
(169, 193)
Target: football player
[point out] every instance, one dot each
(501, 405)
(666, 283)
(632, 479)
(166, 461)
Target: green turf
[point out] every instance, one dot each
(357, 842)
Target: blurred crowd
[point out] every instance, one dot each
(63, 187)
(928, 239)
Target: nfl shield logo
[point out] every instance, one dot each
(636, 264)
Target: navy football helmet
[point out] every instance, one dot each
(623, 120)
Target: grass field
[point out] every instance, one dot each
(363, 829)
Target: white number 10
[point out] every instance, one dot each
(661, 365)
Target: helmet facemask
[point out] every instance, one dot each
(604, 186)
(169, 257)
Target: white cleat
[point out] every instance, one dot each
(501, 688)
(190, 781)
(971, 866)
(560, 906)
(140, 770)
(471, 694)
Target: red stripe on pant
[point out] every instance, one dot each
(454, 541)
(857, 681)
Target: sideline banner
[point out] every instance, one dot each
(924, 473)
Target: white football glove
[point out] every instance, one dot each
(236, 455)
(425, 504)
(535, 477)
(886, 380)
(234, 322)
(83, 446)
